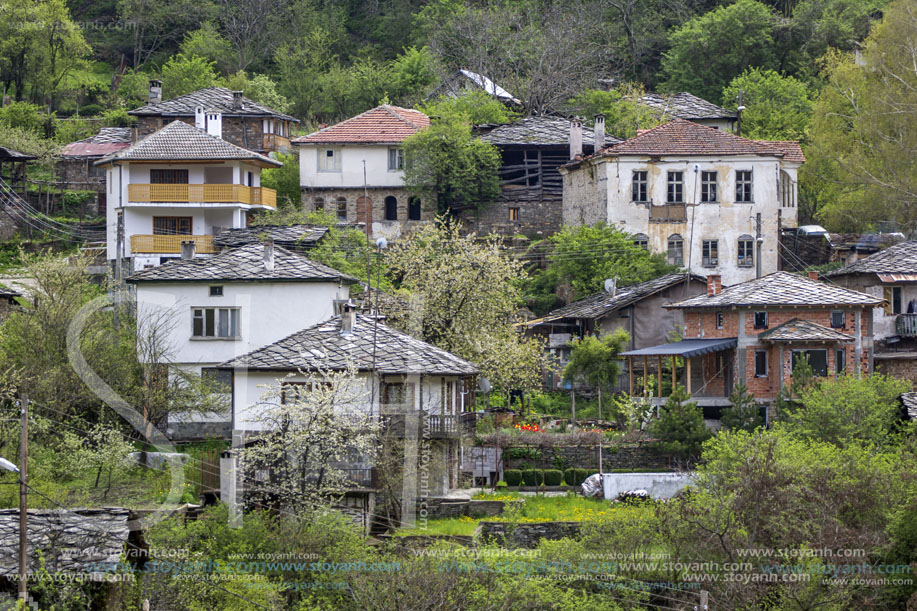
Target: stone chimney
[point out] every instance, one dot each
(237, 100)
(576, 137)
(714, 285)
(599, 132)
(348, 318)
(269, 255)
(813, 275)
(155, 92)
(187, 250)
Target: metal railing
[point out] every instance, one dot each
(668, 213)
(212, 194)
(906, 325)
(436, 425)
(171, 244)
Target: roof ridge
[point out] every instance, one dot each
(392, 111)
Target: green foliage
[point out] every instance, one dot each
(413, 74)
(584, 257)
(23, 115)
(133, 88)
(680, 427)
(117, 117)
(284, 180)
(553, 477)
(594, 360)
(525, 452)
(710, 50)
(533, 477)
(28, 142)
(73, 129)
(777, 107)
(475, 107)
(744, 413)
(513, 477)
(207, 42)
(447, 166)
(624, 115)
(260, 88)
(849, 410)
(183, 74)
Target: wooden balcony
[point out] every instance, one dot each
(906, 325)
(435, 427)
(273, 142)
(171, 244)
(210, 194)
(668, 213)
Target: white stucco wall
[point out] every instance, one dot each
(351, 173)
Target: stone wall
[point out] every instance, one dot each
(457, 508)
(537, 216)
(902, 366)
(585, 195)
(614, 457)
(356, 210)
(528, 534)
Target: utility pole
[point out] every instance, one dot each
(739, 110)
(704, 601)
(23, 497)
(759, 241)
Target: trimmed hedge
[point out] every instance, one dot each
(575, 477)
(553, 477)
(532, 477)
(513, 477)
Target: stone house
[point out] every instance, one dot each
(639, 309)
(890, 275)
(242, 121)
(76, 167)
(684, 105)
(756, 332)
(715, 203)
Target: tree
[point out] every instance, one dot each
(777, 107)
(710, 50)
(183, 74)
(285, 180)
(307, 436)
(208, 43)
(744, 414)
(260, 88)
(446, 164)
(465, 292)
(594, 360)
(680, 427)
(413, 74)
(864, 126)
(156, 25)
(624, 115)
(475, 107)
(103, 448)
(252, 26)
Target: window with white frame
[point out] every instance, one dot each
(215, 322)
(329, 160)
(709, 252)
(708, 187)
(743, 186)
(395, 159)
(676, 250)
(746, 252)
(675, 193)
(837, 319)
(638, 190)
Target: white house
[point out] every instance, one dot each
(713, 202)
(178, 184)
(211, 310)
(404, 381)
(355, 169)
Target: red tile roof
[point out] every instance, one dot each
(382, 124)
(680, 137)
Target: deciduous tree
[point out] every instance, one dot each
(777, 107)
(594, 360)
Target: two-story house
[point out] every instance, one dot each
(684, 105)
(210, 310)
(178, 184)
(756, 332)
(891, 275)
(242, 121)
(355, 169)
(713, 202)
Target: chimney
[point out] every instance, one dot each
(576, 137)
(214, 123)
(714, 285)
(237, 100)
(348, 318)
(187, 250)
(200, 119)
(269, 255)
(813, 275)
(155, 92)
(599, 132)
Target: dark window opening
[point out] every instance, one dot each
(641, 240)
(760, 320)
(169, 177)
(840, 361)
(818, 360)
(414, 209)
(760, 363)
(710, 253)
(719, 320)
(676, 188)
(743, 186)
(342, 208)
(391, 208)
(514, 214)
(639, 191)
(837, 319)
(171, 225)
(216, 291)
(708, 187)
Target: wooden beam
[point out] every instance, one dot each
(644, 375)
(688, 374)
(659, 377)
(674, 380)
(630, 367)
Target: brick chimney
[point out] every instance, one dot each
(599, 132)
(187, 250)
(237, 100)
(813, 275)
(714, 285)
(269, 255)
(576, 137)
(155, 92)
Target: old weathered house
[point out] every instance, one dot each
(890, 275)
(756, 332)
(688, 106)
(76, 163)
(715, 203)
(241, 121)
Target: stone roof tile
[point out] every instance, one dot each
(796, 330)
(218, 99)
(295, 237)
(685, 105)
(898, 259)
(540, 131)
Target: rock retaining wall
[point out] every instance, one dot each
(527, 534)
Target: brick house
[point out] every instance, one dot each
(355, 169)
(243, 122)
(891, 275)
(756, 332)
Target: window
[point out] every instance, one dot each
(318, 203)
(398, 394)
(837, 319)
(840, 361)
(743, 186)
(514, 214)
(413, 208)
(893, 299)
(639, 193)
(171, 225)
(760, 320)
(298, 391)
(250, 176)
(216, 291)
(395, 159)
(391, 208)
(708, 186)
(746, 256)
(760, 363)
(169, 177)
(787, 193)
(342, 208)
(676, 250)
(709, 253)
(641, 240)
(329, 160)
(215, 322)
(447, 397)
(719, 320)
(676, 188)
(818, 360)
(220, 380)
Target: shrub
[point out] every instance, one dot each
(553, 477)
(501, 484)
(91, 110)
(513, 477)
(533, 477)
(680, 428)
(570, 476)
(581, 475)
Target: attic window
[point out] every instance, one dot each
(760, 320)
(216, 291)
(329, 160)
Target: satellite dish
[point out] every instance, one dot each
(484, 385)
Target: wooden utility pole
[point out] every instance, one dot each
(23, 497)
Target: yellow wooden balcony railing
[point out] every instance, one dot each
(170, 244)
(211, 194)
